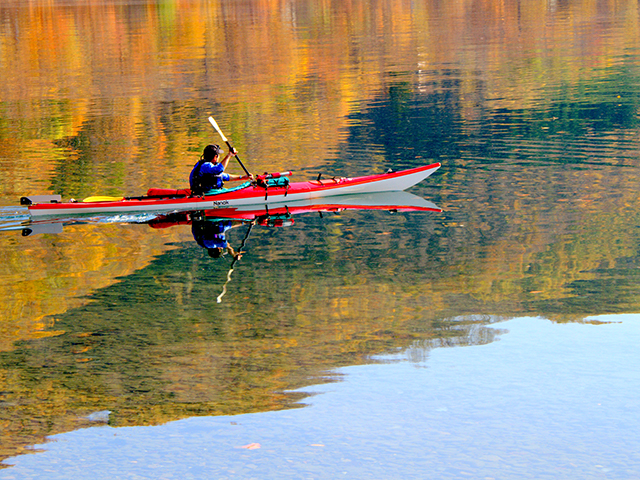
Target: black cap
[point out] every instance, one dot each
(211, 151)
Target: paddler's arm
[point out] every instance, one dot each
(233, 253)
(225, 161)
(240, 177)
(232, 153)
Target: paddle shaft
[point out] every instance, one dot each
(215, 125)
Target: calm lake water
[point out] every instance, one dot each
(126, 350)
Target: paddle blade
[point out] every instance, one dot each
(215, 125)
(102, 198)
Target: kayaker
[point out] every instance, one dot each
(209, 173)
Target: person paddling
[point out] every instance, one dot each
(209, 173)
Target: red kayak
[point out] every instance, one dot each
(268, 189)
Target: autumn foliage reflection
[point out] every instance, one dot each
(112, 98)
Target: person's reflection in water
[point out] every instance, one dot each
(211, 235)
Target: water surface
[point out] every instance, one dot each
(532, 110)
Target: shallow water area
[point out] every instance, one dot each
(547, 400)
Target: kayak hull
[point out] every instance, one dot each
(251, 195)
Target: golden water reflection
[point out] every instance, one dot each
(125, 103)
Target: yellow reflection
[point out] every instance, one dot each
(48, 274)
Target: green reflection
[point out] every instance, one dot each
(157, 346)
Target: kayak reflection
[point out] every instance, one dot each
(210, 227)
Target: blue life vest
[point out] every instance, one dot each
(206, 176)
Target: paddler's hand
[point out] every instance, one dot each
(233, 152)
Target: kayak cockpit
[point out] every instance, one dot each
(186, 192)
